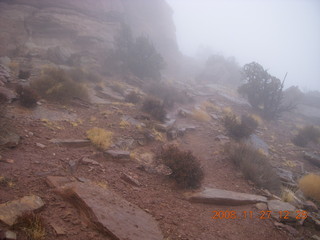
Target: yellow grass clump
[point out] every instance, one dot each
(124, 124)
(100, 137)
(310, 186)
(209, 106)
(287, 195)
(200, 115)
(32, 225)
(257, 118)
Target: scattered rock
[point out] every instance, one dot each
(88, 161)
(172, 134)
(132, 121)
(9, 94)
(71, 142)
(312, 158)
(163, 170)
(117, 154)
(4, 74)
(9, 140)
(286, 176)
(312, 220)
(129, 143)
(310, 206)
(221, 138)
(288, 228)
(315, 237)
(9, 235)
(59, 55)
(257, 143)
(108, 93)
(73, 165)
(276, 206)
(40, 145)
(58, 229)
(214, 116)
(109, 212)
(224, 197)
(130, 179)
(10, 211)
(184, 113)
(261, 206)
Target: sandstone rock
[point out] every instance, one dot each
(277, 206)
(58, 229)
(310, 206)
(9, 235)
(130, 179)
(40, 145)
(108, 93)
(117, 154)
(9, 140)
(71, 142)
(110, 213)
(4, 74)
(257, 143)
(224, 197)
(315, 237)
(288, 228)
(285, 175)
(10, 211)
(312, 158)
(88, 161)
(261, 206)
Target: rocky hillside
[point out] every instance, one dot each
(83, 31)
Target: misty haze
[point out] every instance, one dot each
(159, 119)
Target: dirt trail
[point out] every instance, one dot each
(158, 195)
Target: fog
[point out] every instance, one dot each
(283, 36)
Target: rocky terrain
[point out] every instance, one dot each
(50, 167)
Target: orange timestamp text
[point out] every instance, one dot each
(299, 214)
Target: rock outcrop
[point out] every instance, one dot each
(70, 32)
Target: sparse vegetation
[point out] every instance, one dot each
(255, 166)
(32, 225)
(186, 169)
(200, 115)
(81, 75)
(27, 96)
(310, 186)
(264, 91)
(133, 97)
(155, 108)
(56, 84)
(100, 137)
(287, 195)
(138, 55)
(240, 128)
(306, 135)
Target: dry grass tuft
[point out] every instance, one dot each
(57, 85)
(100, 138)
(287, 195)
(200, 115)
(32, 225)
(306, 135)
(310, 186)
(255, 166)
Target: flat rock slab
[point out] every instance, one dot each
(71, 142)
(277, 206)
(312, 158)
(109, 212)
(10, 211)
(117, 154)
(224, 197)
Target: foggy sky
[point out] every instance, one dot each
(282, 35)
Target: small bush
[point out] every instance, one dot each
(155, 108)
(56, 84)
(255, 166)
(310, 186)
(32, 225)
(28, 97)
(200, 115)
(240, 128)
(133, 97)
(100, 138)
(306, 135)
(186, 170)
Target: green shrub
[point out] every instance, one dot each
(306, 135)
(255, 166)
(240, 129)
(264, 91)
(56, 84)
(155, 108)
(27, 96)
(186, 169)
